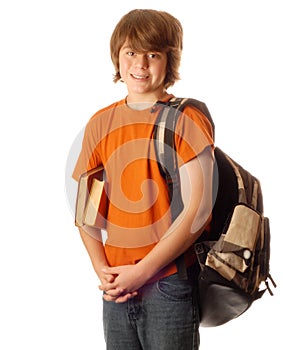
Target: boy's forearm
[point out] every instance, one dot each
(166, 251)
(92, 241)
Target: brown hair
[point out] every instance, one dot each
(149, 30)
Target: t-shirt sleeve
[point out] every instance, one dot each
(89, 157)
(193, 134)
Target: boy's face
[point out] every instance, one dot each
(143, 73)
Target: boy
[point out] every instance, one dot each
(145, 304)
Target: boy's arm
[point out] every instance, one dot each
(92, 241)
(196, 188)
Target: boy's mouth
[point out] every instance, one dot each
(140, 77)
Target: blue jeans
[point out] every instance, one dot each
(164, 316)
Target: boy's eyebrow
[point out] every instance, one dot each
(130, 48)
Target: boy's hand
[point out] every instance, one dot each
(106, 278)
(124, 286)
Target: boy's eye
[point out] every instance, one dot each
(149, 55)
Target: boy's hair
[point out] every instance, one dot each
(149, 30)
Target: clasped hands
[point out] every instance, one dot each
(120, 283)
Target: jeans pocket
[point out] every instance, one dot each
(175, 289)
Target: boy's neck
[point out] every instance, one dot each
(144, 102)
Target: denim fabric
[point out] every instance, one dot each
(164, 316)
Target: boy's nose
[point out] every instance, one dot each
(141, 61)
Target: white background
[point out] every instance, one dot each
(55, 72)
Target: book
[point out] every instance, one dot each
(92, 200)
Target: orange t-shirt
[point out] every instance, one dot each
(121, 139)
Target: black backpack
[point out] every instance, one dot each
(234, 255)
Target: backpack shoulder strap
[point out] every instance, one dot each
(181, 103)
(167, 158)
(165, 129)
